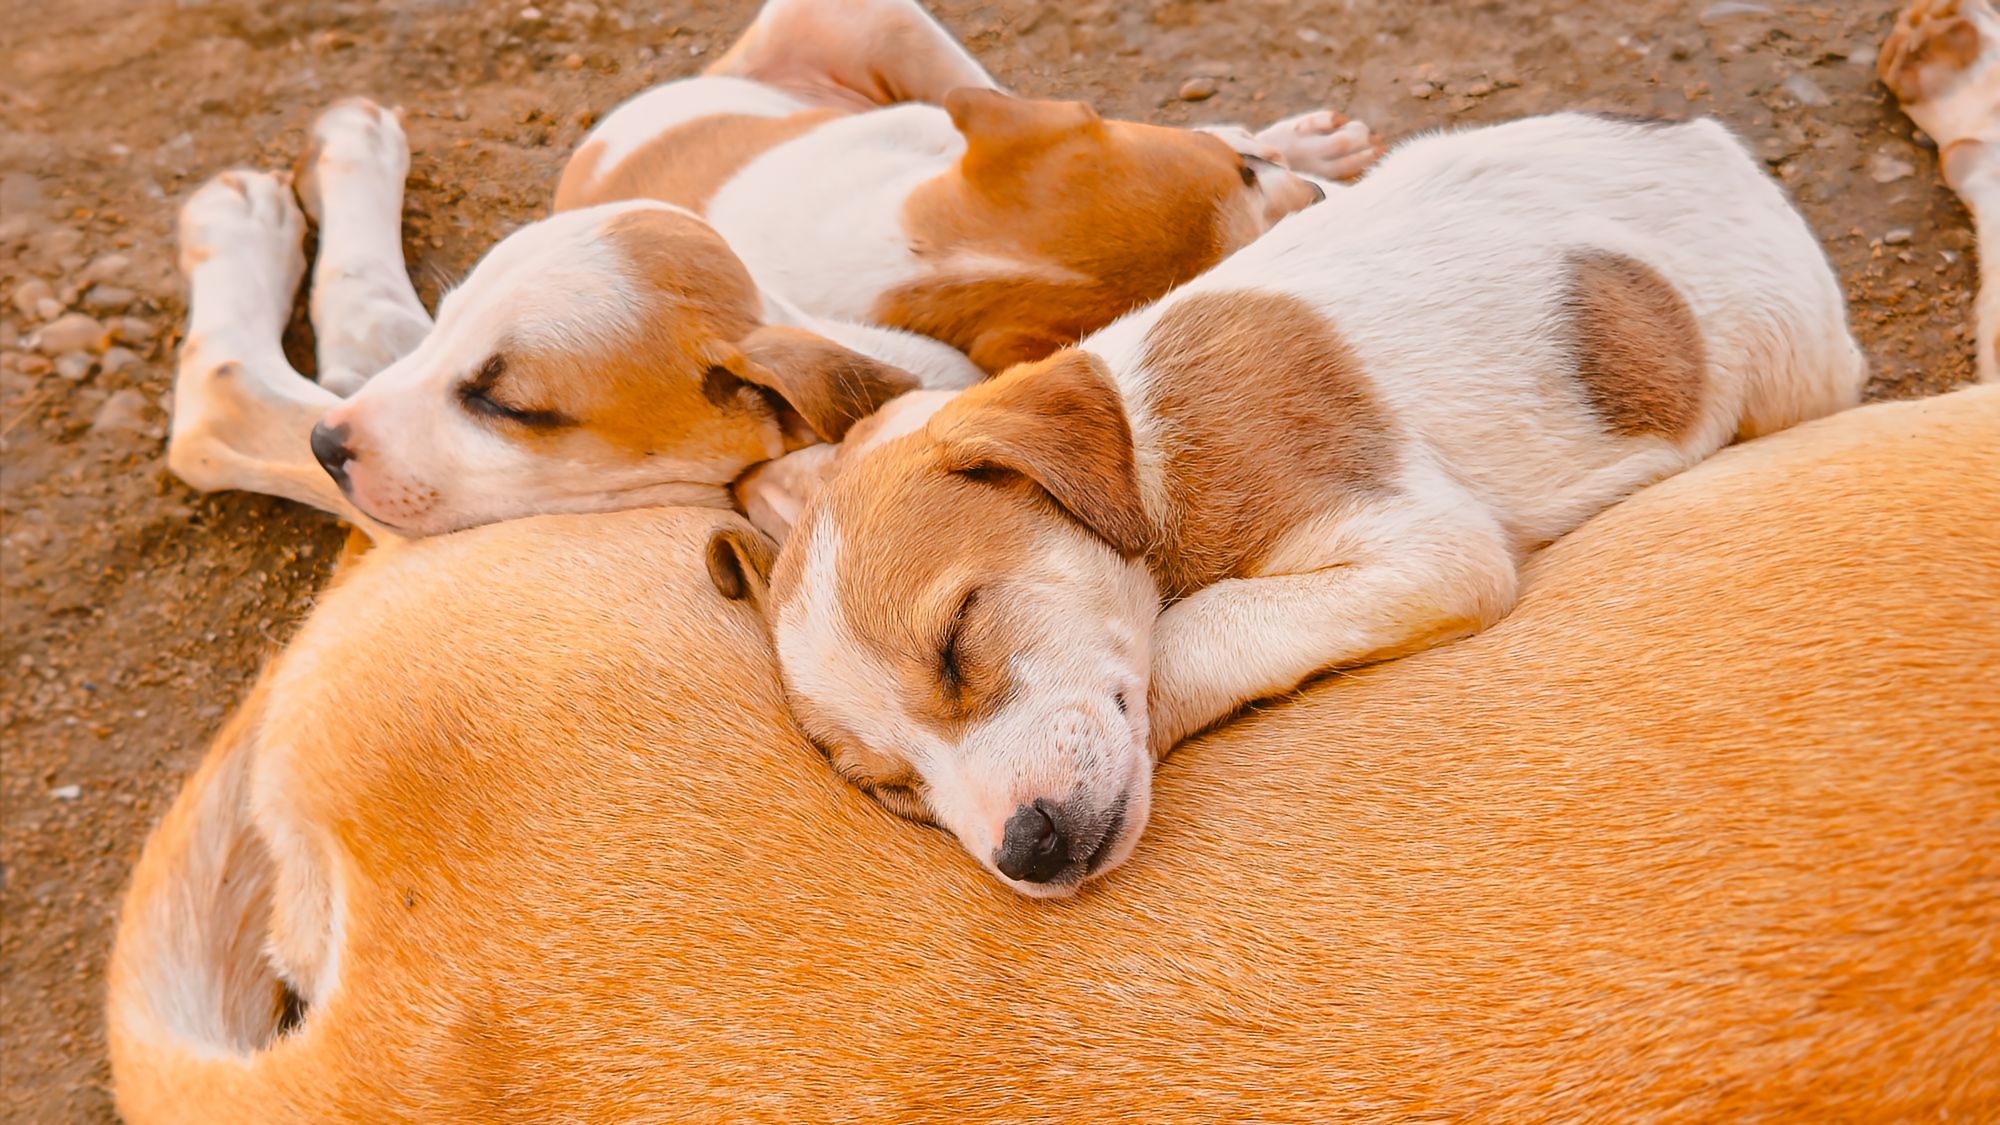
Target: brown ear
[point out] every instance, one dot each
(996, 124)
(831, 387)
(739, 563)
(1061, 424)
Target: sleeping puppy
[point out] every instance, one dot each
(1334, 448)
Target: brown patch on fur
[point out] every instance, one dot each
(1265, 419)
(1927, 36)
(684, 165)
(1637, 347)
(645, 394)
(830, 386)
(1062, 426)
(933, 535)
(1056, 222)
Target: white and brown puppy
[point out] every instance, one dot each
(1334, 448)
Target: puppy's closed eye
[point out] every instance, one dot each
(482, 396)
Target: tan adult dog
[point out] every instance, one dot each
(1707, 829)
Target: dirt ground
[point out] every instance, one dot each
(136, 610)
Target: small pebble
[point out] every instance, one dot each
(110, 267)
(132, 330)
(1886, 169)
(124, 412)
(75, 332)
(66, 792)
(74, 366)
(1807, 91)
(1729, 8)
(1198, 89)
(29, 295)
(119, 359)
(1423, 90)
(48, 308)
(572, 61)
(108, 298)
(28, 363)
(1479, 88)
(1896, 236)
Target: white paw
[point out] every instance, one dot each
(1940, 63)
(353, 138)
(1324, 144)
(248, 221)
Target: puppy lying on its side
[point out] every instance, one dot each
(1334, 448)
(625, 351)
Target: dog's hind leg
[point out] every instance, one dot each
(243, 416)
(365, 313)
(856, 54)
(1943, 63)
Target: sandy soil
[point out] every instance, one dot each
(136, 610)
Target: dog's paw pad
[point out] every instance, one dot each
(1324, 143)
(353, 137)
(242, 214)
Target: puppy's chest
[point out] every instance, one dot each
(1256, 418)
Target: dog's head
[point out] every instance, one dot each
(603, 358)
(963, 618)
(1057, 221)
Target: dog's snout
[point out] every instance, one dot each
(329, 446)
(1033, 846)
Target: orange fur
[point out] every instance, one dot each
(1707, 829)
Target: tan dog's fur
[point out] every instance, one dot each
(1707, 829)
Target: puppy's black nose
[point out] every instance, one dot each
(1033, 849)
(1319, 193)
(329, 445)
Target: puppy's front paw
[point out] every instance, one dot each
(353, 137)
(1323, 143)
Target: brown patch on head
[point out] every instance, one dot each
(683, 166)
(649, 392)
(922, 546)
(1057, 222)
(1636, 346)
(1266, 420)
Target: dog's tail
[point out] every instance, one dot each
(194, 1002)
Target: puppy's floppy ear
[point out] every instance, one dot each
(829, 386)
(998, 125)
(1060, 424)
(739, 563)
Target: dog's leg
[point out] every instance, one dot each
(1371, 587)
(365, 313)
(243, 417)
(1943, 63)
(856, 54)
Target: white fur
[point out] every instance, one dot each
(646, 116)
(819, 218)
